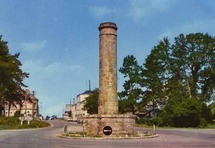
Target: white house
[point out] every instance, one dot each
(76, 109)
(28, 107)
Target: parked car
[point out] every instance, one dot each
(80, 121)
(69, 120)
(53, 117)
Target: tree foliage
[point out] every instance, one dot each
(91, 104)
(212, 108)
(155, 75)
(132, 91)
(194, 57)
(178, 79)
(11, 76)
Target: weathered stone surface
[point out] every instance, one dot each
(108, 103)
(121, 124)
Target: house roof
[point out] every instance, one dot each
(86, 92)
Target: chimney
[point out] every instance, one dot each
(108, 103)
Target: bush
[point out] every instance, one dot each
(17, 114)
(15, 123)
(37, 123)
(203, 123)
(185, 112)
(9, 120)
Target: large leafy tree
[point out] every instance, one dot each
(194, 56)
(184, 74)
(177, 78)
(11, 76)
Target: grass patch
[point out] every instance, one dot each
(15, 123)
(74, 134)
(211, 126)
(78, 134)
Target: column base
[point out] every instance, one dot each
(119, 125)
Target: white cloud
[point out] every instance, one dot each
(161, 5)
(33, 46)
(100, 11)
(194, 27)
(140, 9)
(199, 26)
(39, 70)
(166, 33)
(53, 83)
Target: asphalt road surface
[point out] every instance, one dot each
(48, 138)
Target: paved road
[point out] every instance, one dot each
(48, 138)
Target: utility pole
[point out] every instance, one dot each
(26, 95)
(89, 86)
(70, 107)
(33, 105)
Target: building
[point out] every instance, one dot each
(27, 107)
(75, 111)
(70, 111)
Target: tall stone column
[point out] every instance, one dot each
(108, 103)
(108, 122)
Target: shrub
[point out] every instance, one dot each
(17, 114)
(185, 112)
(15, 123)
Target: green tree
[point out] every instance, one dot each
(11, 76)
(212, 108)
(194, 56)
(178, 79)
(132, 92)
(155, 75)
(182, 74)
(91, 105)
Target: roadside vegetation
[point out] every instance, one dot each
(149, 123)
(175, 85)
(11, 78)
(15, 123)
(12, 89)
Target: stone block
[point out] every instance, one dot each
(121, 124)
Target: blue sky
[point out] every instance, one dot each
(59, 39)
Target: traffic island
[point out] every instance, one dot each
(74, 131)
(82, 135)
(108, 123)
(120, 125)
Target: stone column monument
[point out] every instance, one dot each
(108, 122)
(108, 103)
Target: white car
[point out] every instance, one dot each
(69, 120)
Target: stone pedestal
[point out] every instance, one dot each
(122, 125)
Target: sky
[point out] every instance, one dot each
(58, 40)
